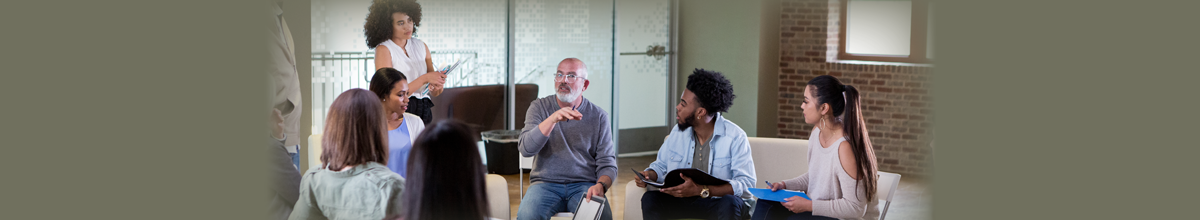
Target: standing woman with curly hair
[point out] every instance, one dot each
(389, 29)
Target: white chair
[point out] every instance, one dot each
(633, 200)
(497, 193)
(777, 159)
(885, 189)
(527, 163)
(314, 151)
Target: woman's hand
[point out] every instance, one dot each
(798, 204)
(436, 78)
(776, 186)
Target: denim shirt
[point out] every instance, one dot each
(730, 155)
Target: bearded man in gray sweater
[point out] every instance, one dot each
(573, 143)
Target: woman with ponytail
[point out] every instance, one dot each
(841, 163)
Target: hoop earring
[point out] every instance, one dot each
(823, 127)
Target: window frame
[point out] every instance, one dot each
(917, 37)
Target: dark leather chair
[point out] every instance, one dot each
(482, 107)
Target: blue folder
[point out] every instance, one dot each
(777, 196)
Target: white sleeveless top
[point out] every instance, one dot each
(413, 64)
(827, 180)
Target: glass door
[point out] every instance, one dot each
(645, 72)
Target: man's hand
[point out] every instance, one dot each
(564, 114)
(595, 190)
(798, 204)
(649, 174)
(687, 189)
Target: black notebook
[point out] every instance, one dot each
(673, 179)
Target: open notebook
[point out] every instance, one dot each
(590, 209)
(673, 179)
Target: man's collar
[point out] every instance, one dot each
(718, 127)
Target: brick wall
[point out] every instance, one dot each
(896, 101)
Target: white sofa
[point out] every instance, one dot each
(774, 159)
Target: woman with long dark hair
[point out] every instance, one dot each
(446, 175)
(841, 163)
(353, 181)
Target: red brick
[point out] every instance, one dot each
(788, 34)
(877, 82)
(899, 116)
(874, 121)
(909, 137)
(812, 53)
(883, 89)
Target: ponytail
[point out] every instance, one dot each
(828, 90)
(856, 131)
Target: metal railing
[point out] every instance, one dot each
(336, 72)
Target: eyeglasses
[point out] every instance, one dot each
(569, 78)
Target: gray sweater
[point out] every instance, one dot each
(575, 151)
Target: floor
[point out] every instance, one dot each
(911, 201)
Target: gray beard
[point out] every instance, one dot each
(568, 98)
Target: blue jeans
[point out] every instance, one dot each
(543, 200)
(657, 205)
(296, 161)
(772, 210)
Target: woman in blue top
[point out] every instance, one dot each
(392, 88)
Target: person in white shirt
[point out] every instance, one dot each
(389, 30)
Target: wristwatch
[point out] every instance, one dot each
(605, 186)
(704, 192)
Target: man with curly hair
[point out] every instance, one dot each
(708, 142)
